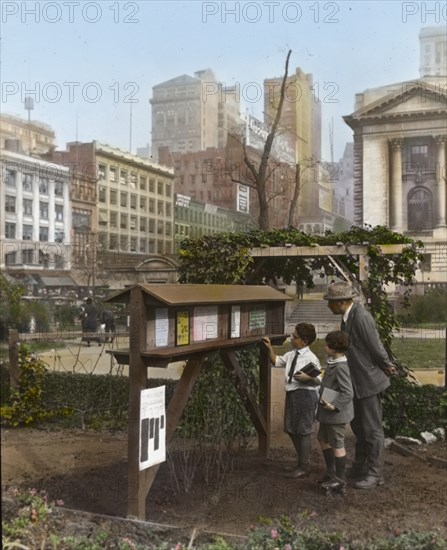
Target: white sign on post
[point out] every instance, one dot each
(152, 427)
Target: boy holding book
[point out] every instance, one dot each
(335, 409)
(301, 392)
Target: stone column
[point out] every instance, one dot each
(440, 199)
(396, 204)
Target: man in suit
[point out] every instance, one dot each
(370, 368)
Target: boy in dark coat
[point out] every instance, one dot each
(336, 411)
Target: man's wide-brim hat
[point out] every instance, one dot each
(340, 291)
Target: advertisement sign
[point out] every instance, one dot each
(152, 445)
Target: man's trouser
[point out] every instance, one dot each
(368, 430)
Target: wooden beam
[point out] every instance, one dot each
(315, 251)
(254, 410)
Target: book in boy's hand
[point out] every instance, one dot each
(311, 369)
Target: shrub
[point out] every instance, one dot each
(409, 409)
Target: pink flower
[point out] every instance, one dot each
(274, 533)
(287, 547)
(59, 502)
(313, 515)
(178, 546)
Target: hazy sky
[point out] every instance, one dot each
(90, 64)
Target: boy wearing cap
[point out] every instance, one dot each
(370, 368)
(301, 393)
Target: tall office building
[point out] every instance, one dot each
(190, 114)
(300, 126)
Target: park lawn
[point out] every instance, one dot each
(415, 353)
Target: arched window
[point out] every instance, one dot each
(420, 209)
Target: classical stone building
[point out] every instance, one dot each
(400, 136)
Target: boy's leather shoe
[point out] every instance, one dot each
(299, 472)
(369, 482)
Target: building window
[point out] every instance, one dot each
(168, 210)
(44, 259)
(112, 174)
(151, 246)
(27, 207)
(43, 186)
(59, 211)
(133, 223)
(133, 202)
(27, 182)
(112, 197)
(419, 157)
(10, 230)
(102, 195)
(102, 217)
(27, 232)
(160, 208)
(151, 185)
(133, 180)
(10, 204)
(143, 246)
(151, 226)
(193, 179)
(10, 178)
(160, 227)
(113, 220)
(143, 204)
(102, 171)
(143, 225)
(59, 236)
(43, 210)
(27, 256)
(159, 187)
(152, 206)
(10, 258)
(143, 183)
(123, 200)
(168, 189)
(168, 230)
(113, 242)
(123, 242)
(123, 177)
(133, 244)
(420, 209)
(123, 221)
(43, 233)
(59, 189)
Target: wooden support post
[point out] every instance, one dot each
(265, 397)
(14, 366)
(136, 497)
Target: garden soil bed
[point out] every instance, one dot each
(88, 471)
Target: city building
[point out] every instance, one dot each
(195, 218)
(133, 208)
(35, 214)
(400, 136)
(300, 127)
(191, 114)
(342, 175)
(219, 176)
(35, 137)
